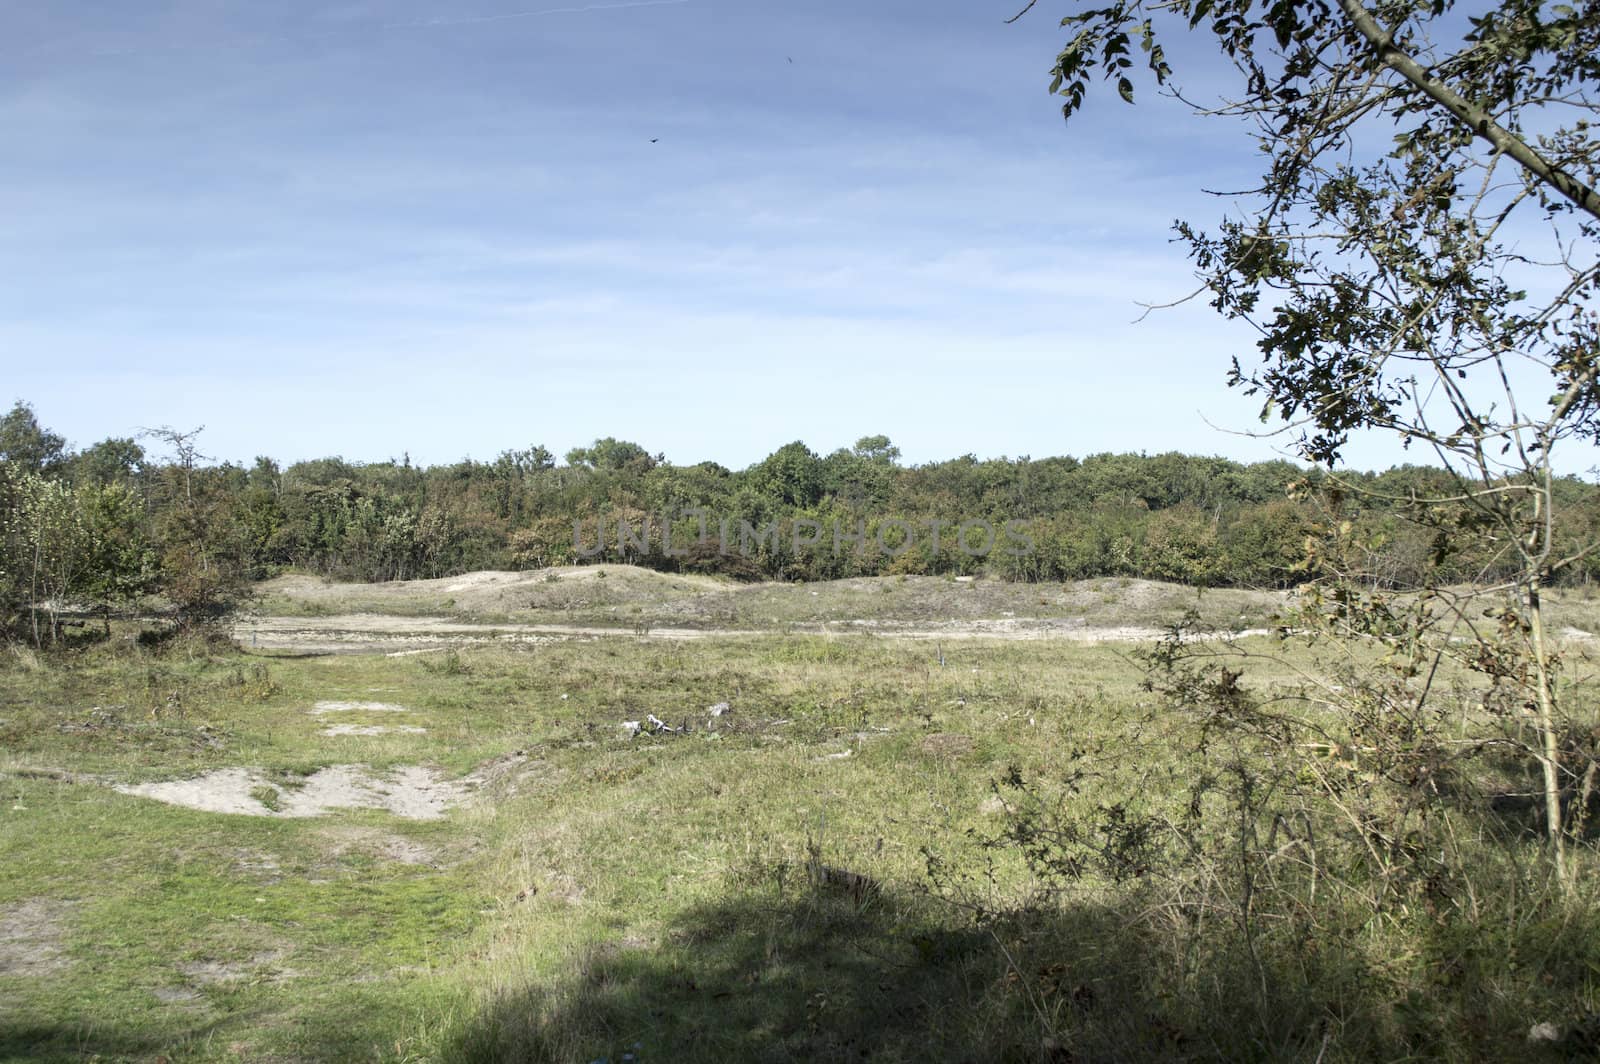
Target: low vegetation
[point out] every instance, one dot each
(879, 848)
(628, 596)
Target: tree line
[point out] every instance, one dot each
(111, 524)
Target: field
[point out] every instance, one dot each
(508, 863)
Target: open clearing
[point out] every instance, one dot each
(301, 614)
(309, 615)
(622, 596)
(283, 854)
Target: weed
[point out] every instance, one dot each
(450, 663)
(254, 682)
(24, 657)
(268, 796)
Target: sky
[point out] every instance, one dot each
(711, 227)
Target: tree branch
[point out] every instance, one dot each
(1469, 114)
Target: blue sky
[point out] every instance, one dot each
(364, 228)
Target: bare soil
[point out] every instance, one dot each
(336, 730)
(410, 791)
(348, 839)
(304, 614)
(369, 632)
(359, 707)
(31, 935)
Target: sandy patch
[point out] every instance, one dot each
(30, 937)
(356, 707)
(947, 746)
(221, 973)
(373, 729)
(490, 578)
(383, 845)
(257, 865)
(410, 791)
(369, 632)
(562, 888)
(507, 770)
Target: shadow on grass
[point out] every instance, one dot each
(762, 977)
(47, 1042)
(804, 975)
(356, 1027)
(809, 976)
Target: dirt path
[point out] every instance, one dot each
(358, 633)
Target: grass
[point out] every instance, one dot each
(614, 840)
(657, 895)
(194, 936)
(269, 797)
(626, 597)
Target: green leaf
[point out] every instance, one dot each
(1125, 89)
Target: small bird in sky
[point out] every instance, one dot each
(654, 139)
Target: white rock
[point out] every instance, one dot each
(630, 728)
(719, 709)
(1544, 1032)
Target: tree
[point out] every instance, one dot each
(202, 571)
(47, 554)
(185, 451)
(1420, 258)
(546, 542)
(27, 444)
(527, 461)
(1180, 544)
(1266, 546)
(876, 449)
(121, 563)
(791, 475)
(613, 454)
(110, 461)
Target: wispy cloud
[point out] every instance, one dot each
(468, 20)
(323, 231)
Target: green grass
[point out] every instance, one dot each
(660, 891)
(185, 933)
(618, 839)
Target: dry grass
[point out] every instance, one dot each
(626, 596)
